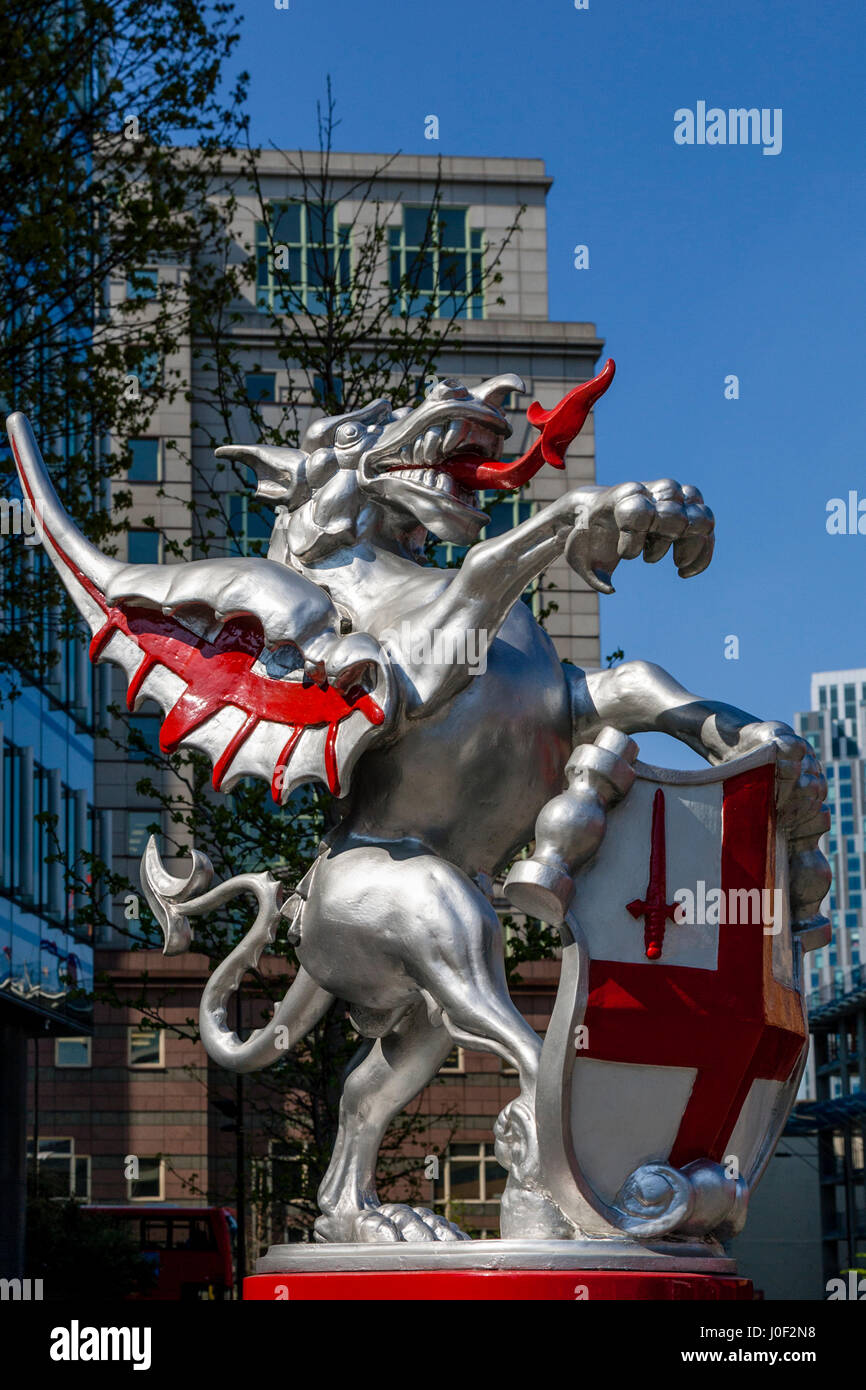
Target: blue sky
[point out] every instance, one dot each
(704, 261)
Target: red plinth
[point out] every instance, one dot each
(538, 1284)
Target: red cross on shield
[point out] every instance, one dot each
(696, 1053)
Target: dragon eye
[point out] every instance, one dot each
(347, 434)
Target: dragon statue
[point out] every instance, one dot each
(344, 658)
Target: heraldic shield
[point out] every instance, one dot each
(679, 1034)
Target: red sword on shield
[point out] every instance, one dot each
(654, 908)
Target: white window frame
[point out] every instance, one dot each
(74, 1159)
(73, 1066)
(459, 1069)
(485, 1152)
(159, 1033)
(130, 1197)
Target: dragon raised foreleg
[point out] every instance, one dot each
(593, 527)
(174, 900)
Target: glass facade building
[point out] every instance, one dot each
(836, 728)
(48, 826)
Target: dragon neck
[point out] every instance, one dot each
(365, 578)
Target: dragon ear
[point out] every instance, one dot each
(281, 473)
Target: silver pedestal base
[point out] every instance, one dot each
(678, 1257)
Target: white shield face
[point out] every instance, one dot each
(679, 1031)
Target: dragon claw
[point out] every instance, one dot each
(397, 1222)
(624, 522)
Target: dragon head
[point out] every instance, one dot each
(399, 474)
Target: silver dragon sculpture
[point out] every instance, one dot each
(434, 707)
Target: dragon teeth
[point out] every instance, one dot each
(454, 435)
(432, 444)
(439, 442)
(445, 483)
(430, 478)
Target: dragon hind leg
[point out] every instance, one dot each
(384, 1076)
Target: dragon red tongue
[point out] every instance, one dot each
(558, 426)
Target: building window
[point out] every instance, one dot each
(142, 284)
(437, 260)
(140, 825)
(149, 372)
(61, 1171)
(285, 1184)
(471, 1175)
(305, 259)
(261, 388)
(454, 1064)
(149, 1186)
(143, 744)
(250, 525)
(146, 461)
(143, 547)
(72, 1052)
(42, 820)
(146, 1046)
(324, 397)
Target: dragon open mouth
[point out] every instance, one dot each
(430, 459)
(463, 453)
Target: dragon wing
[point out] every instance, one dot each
(243, 656)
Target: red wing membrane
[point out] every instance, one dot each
(220, 673)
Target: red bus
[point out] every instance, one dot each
(190, 1249)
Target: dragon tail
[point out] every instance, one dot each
(173, 901)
